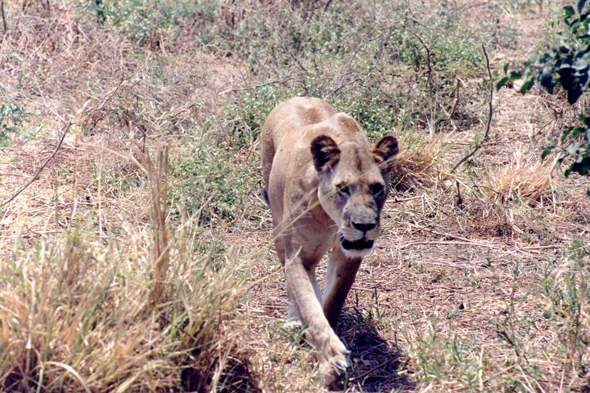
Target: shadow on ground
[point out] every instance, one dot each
(376, 364)
(236, 376)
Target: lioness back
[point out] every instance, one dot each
(288, 117)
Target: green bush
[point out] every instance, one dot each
(357, 62)
(138, 20)
(212, 184)
(12, 117)
(566, 66)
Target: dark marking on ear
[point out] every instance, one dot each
(384, 152)
(325, 152)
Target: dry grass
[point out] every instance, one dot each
(125, 271)
(417, 165)
(79, 311)
(520, 180)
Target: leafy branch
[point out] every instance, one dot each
(568, 67)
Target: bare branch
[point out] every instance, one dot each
(457, 101)
(427, 55)
(428, 52)
(3, 17)
(286, 48)
(491, 112)
(38, 171)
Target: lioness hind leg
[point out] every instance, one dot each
(266, 198)
(340, 276)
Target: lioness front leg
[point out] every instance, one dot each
(332, 353)
(293, 318)
(339, 279)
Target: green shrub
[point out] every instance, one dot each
(212, 183)
(566, 66)
(354, 61)
(139, 21)
(12, 118)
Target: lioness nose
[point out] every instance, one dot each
(363, 227)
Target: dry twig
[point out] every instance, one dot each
(286, 48)
(3, 17)
(457, 101)
(365, 373)
(158, 175)
(491, 112)
(39, 170)
(121, 155)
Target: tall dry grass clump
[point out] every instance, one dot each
(520, 180)
(100, 297)
(417, 166)
(84, 312)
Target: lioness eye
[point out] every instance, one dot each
(377, 188)
(343, 189)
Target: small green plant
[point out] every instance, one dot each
(570, 144)
(211, 184)
(567, 295)
(523, 4)
(147, 22)
(295, 335)
(12, 117)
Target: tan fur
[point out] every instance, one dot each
(326, 187)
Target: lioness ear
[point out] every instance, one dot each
(325, 152)
(384, 152)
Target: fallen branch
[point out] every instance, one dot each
(3, 17)
(428, 56)
(38, 171)
(457, 101)
(491, 112)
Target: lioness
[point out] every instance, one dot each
(326, 187)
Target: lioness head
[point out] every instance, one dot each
(354, 182)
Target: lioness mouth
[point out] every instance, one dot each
(361, 244)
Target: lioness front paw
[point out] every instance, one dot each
(292, 324)
(334, 361)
